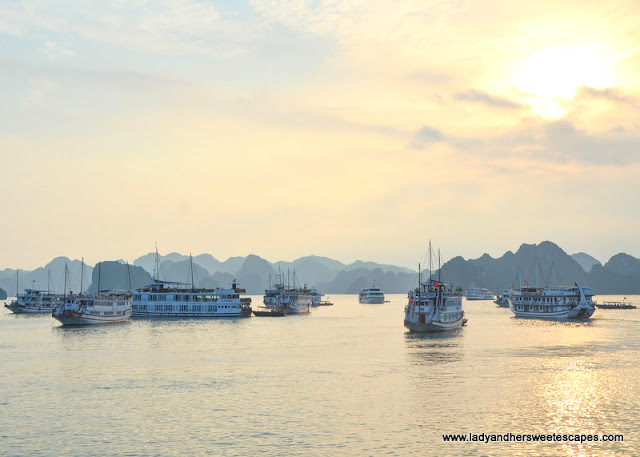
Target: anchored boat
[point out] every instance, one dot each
(372, 294)
(34, 301)
(433, 306)
(103, 308)
(553, 302)
(290, 300)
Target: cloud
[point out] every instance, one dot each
(612, 94)
(40, 89)
(485, 98)
(430, 77)
(53, 50)
(552, 143)
(425, 136)
(164, 26)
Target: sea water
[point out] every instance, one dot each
(345, 380)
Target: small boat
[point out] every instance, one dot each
(372, 294)
(552, 302)
(316, 295)
(502, 300)
(616, 305)
(325, 303)
(269, 312)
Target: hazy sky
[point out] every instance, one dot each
(351, 129)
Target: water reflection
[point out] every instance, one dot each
(10, 315)
(441, 347)
(550, 322)
(570, 395)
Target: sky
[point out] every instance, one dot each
(347, 129)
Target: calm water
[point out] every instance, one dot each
(344, 380)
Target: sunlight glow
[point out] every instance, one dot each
(554, 74)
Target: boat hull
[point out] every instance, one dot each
(299, 309)
(75, 318)
(28, 310)
(177, 314)
(269, 313)
(372, 300)
(578, 312)
(433, 326)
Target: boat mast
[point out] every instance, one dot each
(191, 265)
(157, 278)
(48, 281)
(439, 267)
(17, 270)
(64, 291)
(99, 276)
(430, 265)
(129, 274)
(81, 275)
(551, 271)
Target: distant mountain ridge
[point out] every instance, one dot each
(50, 277)
(586, 261)
(545, 264)
(256, 274)
(532, 263)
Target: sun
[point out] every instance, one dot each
(547, 78)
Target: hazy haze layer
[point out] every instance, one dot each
(348, 129)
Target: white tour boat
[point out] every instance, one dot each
(103, 308)
(34, 302)
(174, 299)
(371, 295)
(552, 302)
(433, 307)
(479, 293)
